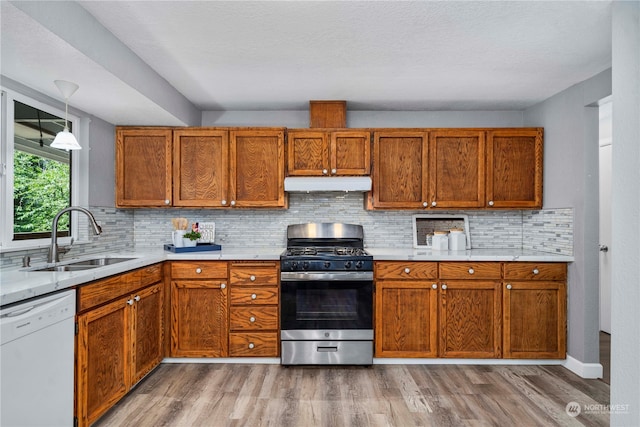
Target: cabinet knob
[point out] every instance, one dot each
(434, 286)
(251, 345)
(252, 278)
(433, 203)
(130, 302)
(334, 171)
(233, 203)
(167, 201)
(136, 298)
(407, 270)
(254, 296)
(490, 202)
(425, 204)
(444, 286)
(223, 285)
(471, 271)
(198, 270)
(223, 202)
(508, 285)
(536, 271)
(324, 171)
(252, 319)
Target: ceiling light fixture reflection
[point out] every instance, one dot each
(65, 140)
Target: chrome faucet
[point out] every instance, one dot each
(53, 249)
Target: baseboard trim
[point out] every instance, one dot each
(236, 360)
(584, 370)
(429, 361)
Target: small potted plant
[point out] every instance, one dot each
(191, 237)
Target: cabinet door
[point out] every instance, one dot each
(535, 320)
(456, 169)
(201, 167)
(406, 319)
(147, 336)
(143, 167)
(350, 153)
(199, 324)
(514, 168)
(400, 170)
(103, 352)
(257, 168)
(308, 153)
(470, 319)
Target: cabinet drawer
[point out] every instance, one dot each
(406, 270)
(253, 318)
(198, 270)
(470, 270)
(105, 290)
(150, 274)
(255, 296)
(253, 276)
(535, 271)
(261, 344)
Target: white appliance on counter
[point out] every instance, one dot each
(36, 361)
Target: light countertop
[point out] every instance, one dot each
(23, 284)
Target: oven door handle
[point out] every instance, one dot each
(305, 276)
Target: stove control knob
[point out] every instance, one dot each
(327, 264)
(347, 265)
(294, 265)
(305, 265)
(359, 264)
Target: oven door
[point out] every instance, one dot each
(332, 300)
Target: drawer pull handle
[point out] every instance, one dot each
(536, 271)
(252, 319)
(130, 302)
(407, 270)
(325, 171)
(444, 287)
(251, 345)
(327, 349)
(491, 203)
(136, 298)
(167, 201)
(508, 285)
(252, 278)
(434, 286)
(254, 296)
(471, 271)
(223, 285)
(425, 204)
(198, 270)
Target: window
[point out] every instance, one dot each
(37, 180)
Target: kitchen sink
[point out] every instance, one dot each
(86, 264)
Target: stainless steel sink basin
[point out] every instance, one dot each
(99, 262)
(86, 264)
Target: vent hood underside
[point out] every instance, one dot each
(318, 184)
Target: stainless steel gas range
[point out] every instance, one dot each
(326, 307)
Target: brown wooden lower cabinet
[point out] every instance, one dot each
(118, 342)
(470, 310)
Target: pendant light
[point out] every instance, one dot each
(65, 140)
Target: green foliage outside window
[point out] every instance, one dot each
(41, 189)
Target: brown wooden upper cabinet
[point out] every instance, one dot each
(212, 167)
(143, 167)
(457, 168)
(328, 153)
(400, 171)
(514, 168)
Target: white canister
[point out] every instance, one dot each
(178, 238)
(457, 240)
(440, 241)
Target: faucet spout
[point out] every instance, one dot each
(54, 255)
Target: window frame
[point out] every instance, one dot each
(79, 169)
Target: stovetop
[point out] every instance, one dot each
(326, 259)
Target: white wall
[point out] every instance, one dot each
(625, 246)
(571, 181)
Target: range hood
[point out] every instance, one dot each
(305, 184)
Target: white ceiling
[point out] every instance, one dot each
(239, 55)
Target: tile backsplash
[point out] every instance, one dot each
(548, 230)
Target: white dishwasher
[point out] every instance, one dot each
(36, 358)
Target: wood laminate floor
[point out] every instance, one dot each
(382, 395)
